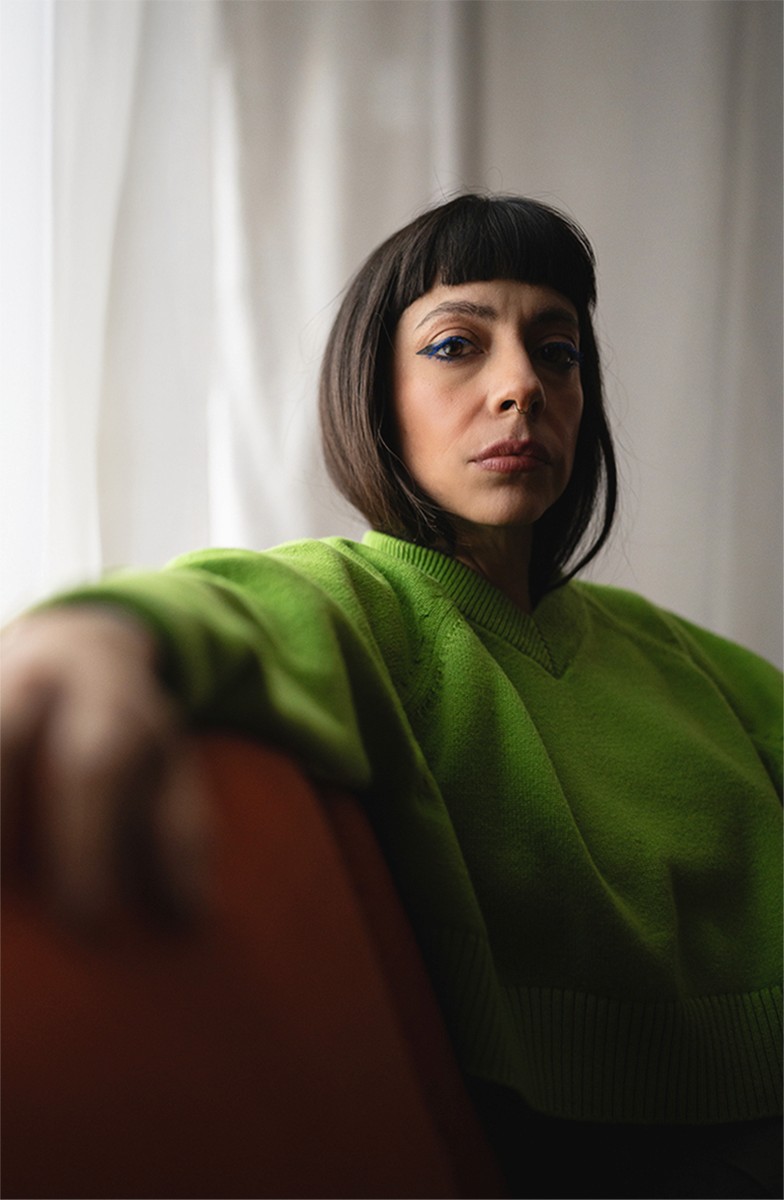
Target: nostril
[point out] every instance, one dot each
(524, 412)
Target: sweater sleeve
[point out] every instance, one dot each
(750, 685)
(253, 643)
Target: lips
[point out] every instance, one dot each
(514, 453)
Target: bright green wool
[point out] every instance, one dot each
(579, 807)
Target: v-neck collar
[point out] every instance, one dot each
(550, 635)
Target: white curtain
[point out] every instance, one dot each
(188, 184)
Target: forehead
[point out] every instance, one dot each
(488, 300)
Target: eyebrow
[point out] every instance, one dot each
(460, 308)
(546, 316)
(466, 308)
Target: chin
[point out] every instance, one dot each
(519, 517)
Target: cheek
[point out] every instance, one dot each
(578, 419)
(570, 443)
(565, 423)
(407, 427)
(417, 443)
(431, 438)
(570, 420)
(419, 418)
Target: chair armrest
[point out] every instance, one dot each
(288, 1046)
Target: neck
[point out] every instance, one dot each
(502, 557)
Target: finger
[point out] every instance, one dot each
(98, 760)
(163, 843)
(27, 704)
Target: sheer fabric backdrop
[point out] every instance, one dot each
(187, 186)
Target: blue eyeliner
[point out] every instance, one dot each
(432, 350)
(574, 356)
(570, 356)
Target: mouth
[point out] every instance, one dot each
(512, 455)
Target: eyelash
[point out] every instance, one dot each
(568, 355)
(434, 349)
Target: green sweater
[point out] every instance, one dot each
(580, 807)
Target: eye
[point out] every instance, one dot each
(449, 348)
(561, 356)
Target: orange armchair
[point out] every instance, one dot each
(290, 1046)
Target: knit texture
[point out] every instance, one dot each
(580, 807)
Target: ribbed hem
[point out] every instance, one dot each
(699, 1060)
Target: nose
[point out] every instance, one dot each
(516, 385)
(534, 406)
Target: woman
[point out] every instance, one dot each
(577, 792)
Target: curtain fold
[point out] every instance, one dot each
(194, 182)
(158, 335)
(95, 54)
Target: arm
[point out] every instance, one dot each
(751, 686)
(98, 687)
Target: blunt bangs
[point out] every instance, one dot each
(502, 237)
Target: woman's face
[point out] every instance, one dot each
(488, 399)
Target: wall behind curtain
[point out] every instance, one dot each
(188, 185)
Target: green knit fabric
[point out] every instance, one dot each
(581, 807)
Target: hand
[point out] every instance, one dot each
(101, 802)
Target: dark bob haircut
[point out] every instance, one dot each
(467, 239)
